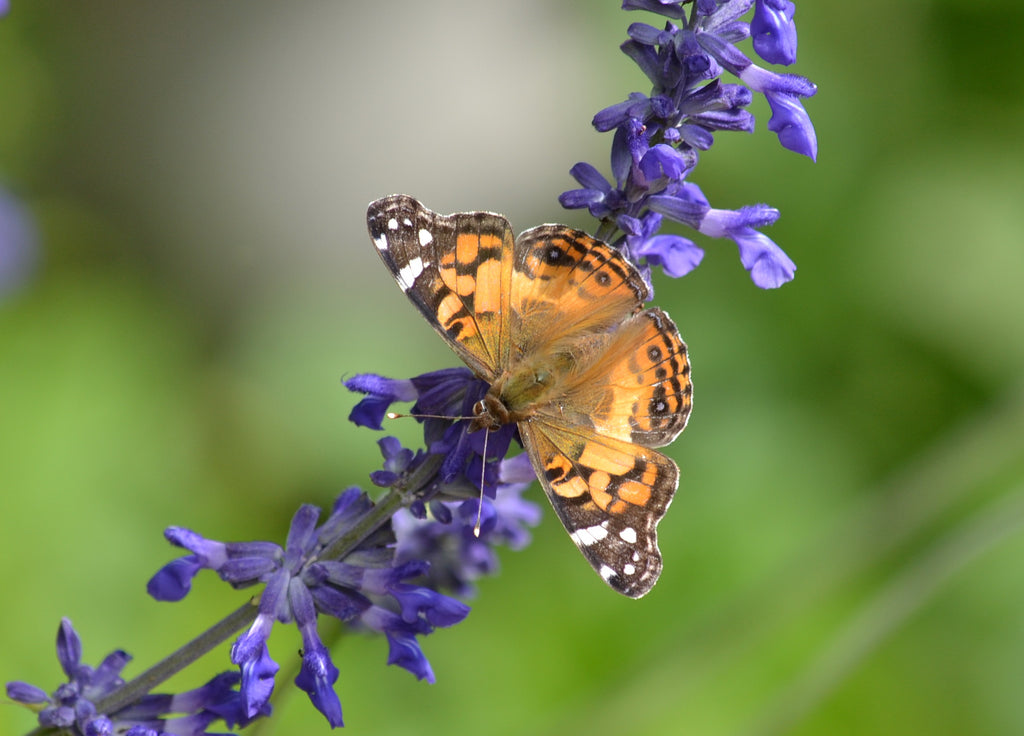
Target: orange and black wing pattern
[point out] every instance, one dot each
(456, 269)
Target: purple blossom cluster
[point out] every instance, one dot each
(76, 704)
(366, 587)
(658, 137)
(472, 502)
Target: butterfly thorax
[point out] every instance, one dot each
(517, 393)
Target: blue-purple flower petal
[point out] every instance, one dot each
(173, 581)
(792, 124)
(69, 649)
(774, 32)
(258, 671)
(22, 692)
(768, 265)
(381, 394)
(317, 677)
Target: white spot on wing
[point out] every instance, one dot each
(628, 569)
(381, 242)
(425, 237)
(407, 222)
(628, 535)
(392, 224)
(411, 271)
(590, 535)
(606, 572)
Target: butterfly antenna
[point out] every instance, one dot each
(396, 415)
(483, 471)
(483, 466)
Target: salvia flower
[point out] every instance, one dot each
(469, 505)
(366, 587)
(448, 536)
(73, 705)
(657, 137)
(443, 401)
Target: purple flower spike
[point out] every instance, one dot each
(72, 706)
(658, 136)
(302, 582)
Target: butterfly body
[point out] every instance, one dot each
(554, 322)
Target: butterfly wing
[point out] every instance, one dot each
(637, 388)
(609, 495)
(566, 284)
(626, 390)
(456, 269)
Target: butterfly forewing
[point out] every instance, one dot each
(566, 284)
(456, 269)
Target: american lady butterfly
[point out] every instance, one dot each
(554, 322)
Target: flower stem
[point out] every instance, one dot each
(179, 660)
(381, 512)
(606, 230)
(401, 494)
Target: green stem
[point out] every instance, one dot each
(380, 513)
(605, 230)
(179, 660)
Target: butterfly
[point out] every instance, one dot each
(554, 322)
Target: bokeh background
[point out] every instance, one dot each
(186, 277)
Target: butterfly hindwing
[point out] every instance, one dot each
(456, 269)
(638, 387)
(609, 495)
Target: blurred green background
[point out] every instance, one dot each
(844, 555)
